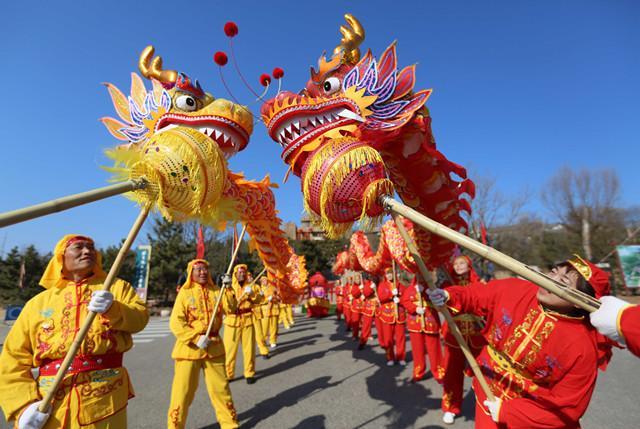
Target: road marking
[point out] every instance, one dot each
(154, 329)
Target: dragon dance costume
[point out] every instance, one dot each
(238, 327)
(393, 318)
(424, 332)
(541, 364)
(270, 312)
(470, 327)
(190, 318)
(95, 390)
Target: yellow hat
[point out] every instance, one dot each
(190, 265)
(52, 276)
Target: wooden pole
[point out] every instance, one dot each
(395, 286)
(229, 268)
(82, 333)
(574, 296)
(64, 203)
(444, 310)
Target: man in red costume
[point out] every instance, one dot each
(356, 305)
(393, 319)
(620, 321)
(423, 324)
(542, 355)
(369, 305)
(337, 289)
(346, 301)
(461, 273)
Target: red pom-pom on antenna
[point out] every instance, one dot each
(230, 29)
(265, 79)
(278, 73)
(220, 58)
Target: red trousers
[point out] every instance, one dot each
(421, 345)
(379, 329)
(394, 340)
(453, 381)
(365, 333)
(339, 311)
(355, 324)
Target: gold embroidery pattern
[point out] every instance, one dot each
(232, 411)
(174, 415)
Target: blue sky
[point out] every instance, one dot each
(520, 88)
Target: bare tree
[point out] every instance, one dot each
(583, 201)
(491, 207)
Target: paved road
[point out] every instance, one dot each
(317, 379)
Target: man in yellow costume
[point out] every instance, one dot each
(261, 334)
(270, 311)
(95, 390)
(238, 325)
(194, 351)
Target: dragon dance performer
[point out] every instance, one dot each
(270, 311)
(347, 300)
(461, 273)
(423, 324)
(369, 309)
(318, 304)
(620, 321)
(542, 355)
(356, 305)
(194, 351)
(239, 327)
(261, 339)
(393, 318)
(96, 388)
(338, 290)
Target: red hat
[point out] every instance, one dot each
(597, 278)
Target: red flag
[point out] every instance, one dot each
(200, 244)
(23, 272)
(483, 233)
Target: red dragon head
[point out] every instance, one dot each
(331, 131)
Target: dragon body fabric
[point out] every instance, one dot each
(179, 138)
(359, 131)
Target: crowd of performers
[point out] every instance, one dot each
(96, 388)
(539, 354)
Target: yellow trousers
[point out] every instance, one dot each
(260, 336)
(290, 314)
(231, 338)
(270, 328)
(185, 384)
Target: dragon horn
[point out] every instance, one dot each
(351, 38)
(152, 69)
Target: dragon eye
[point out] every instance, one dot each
(186, 103)
(331, 85)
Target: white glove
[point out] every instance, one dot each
(396, 300)
(373, 286)
(203, 342)
(420, 287)
(270, 298)
(438, 296)
(226, 279)
(605, 319)
(494, 408)
(361, 287)
(420, 310)
(394, 292)
(31, 418)
(247, 290)
(101, 301)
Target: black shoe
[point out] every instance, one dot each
(267, 356)
(250, 380)
(361, 346)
